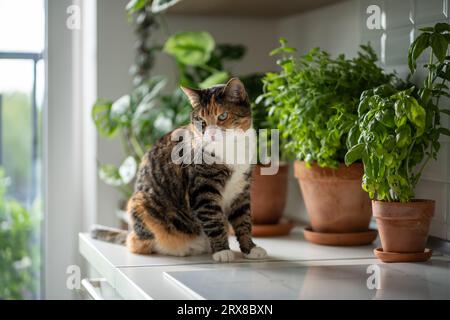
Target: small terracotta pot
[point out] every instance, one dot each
(403, 227)
(334, 198)
(268, 195)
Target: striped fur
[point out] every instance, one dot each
(180, 209)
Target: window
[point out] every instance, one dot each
(22, 41)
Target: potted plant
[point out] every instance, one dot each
(396, 135)
(314, 100)
(268, 192)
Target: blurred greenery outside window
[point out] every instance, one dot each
(21, 103)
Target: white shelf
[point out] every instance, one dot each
(247, 8)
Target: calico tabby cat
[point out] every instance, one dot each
(180, 209)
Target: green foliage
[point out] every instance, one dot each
(156, 5)
(190, 48)
(389, 138)
(398, 131)
(313, 100)
(200, 62)
(16, 137)
(19, 248)
(140, 119)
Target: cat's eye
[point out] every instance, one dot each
(223, 116)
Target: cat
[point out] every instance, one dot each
(180, 209)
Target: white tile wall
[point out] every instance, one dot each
(396, 44)
(399, 13)
(403, 19)
(430, 10)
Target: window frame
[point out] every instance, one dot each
(35, 58)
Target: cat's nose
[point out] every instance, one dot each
(212, 133)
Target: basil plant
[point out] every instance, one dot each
(397, 131)
(313, 100)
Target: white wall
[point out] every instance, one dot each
(333, 28)
(114, 57)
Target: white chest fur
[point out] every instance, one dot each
(235, 184)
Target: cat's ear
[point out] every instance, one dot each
(193, 95)
(235, 91)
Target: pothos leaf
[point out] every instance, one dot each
(135, 5)
(127, 170)
(162, 5)
(101, 114)
(190, 48)
(110, 175)
(214, 79)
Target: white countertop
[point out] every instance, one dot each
(299, 269)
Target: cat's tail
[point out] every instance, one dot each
(108, 234)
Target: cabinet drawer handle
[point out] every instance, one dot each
(91, 286)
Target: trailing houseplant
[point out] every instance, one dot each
(143, 115)
(396, 135)
(314, 99)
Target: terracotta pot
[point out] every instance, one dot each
(403, 227)
(268, 195)
(334, 199)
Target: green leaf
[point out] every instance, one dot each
(101, 114)
(439, 46)
(355, 153)
(416, 49)
(214, 79)
(353, 136)
(444, 73)
(403, 136)
(110, 175)
(162, 5)
(120, 110)
(135, 5)
(444, 131)
(427, 29)
(151, 89)
(128, 169)
(281, 50)
(416, 114)
(441, 27)
(190, 48)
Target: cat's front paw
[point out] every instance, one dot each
(223, 256)
(256, 253)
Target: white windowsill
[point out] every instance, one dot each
(144, 277)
